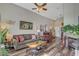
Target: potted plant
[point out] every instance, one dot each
(3, 51)
(73, 29)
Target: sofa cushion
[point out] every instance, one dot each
(27, 36)
(24, 42)
(17, 38)
(21, 38)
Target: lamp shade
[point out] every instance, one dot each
(9, 37)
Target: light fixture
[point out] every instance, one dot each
(9, 37)
(40, 7)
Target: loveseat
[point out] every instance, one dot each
(20, 41)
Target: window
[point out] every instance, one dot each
(78, 19)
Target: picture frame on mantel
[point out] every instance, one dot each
(26, 25)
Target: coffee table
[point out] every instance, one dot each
(36, 46)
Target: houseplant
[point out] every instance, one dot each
(73, 29)
(3, 50)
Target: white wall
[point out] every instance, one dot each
(53, 9)
(76, 11)
(15, 13)
(71, 13)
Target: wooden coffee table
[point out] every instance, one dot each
(34, 45)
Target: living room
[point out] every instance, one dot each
(40, 28)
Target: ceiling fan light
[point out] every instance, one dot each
(40, 7)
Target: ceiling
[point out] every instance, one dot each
(54, 10)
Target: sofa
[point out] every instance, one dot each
(20, 41)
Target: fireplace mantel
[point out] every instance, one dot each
(72, 41)
(71, 35)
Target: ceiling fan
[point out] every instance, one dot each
(40, 7)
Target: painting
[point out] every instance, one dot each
(26, 25)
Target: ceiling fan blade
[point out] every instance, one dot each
(44, 4)
(34, 8)
(45, 9)
(36, 4)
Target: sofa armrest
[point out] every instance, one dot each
(15, 44)
(15, 41)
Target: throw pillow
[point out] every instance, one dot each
(33, 37)
(21, 37)
(17, 38)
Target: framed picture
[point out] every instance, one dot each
(26, 25)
